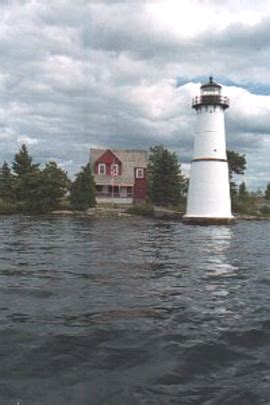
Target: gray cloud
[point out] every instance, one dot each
(105, 73)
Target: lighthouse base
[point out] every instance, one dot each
(189, 220)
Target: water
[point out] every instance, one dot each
(133, 311)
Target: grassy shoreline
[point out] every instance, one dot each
(146, 211)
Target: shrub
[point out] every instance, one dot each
(265, 210)
(145, 210)
(7, 208)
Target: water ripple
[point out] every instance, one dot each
(117, 311)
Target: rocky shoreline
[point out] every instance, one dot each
(159, 213)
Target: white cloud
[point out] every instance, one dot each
(123, 73)
(27, 140)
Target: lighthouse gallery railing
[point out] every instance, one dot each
(211, 100)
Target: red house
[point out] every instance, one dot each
(120, 175)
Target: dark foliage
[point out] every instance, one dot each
(267, 192)
(237, 166)
(166, 184)
(31, 189)
(82, 191)
(7, 189)
(46, 188)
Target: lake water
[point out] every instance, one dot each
(133, 311)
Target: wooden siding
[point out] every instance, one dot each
(140, 188)
(108, 158)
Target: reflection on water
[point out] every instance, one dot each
(117, 311)
(218, 244)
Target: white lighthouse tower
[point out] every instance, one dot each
(209, 199)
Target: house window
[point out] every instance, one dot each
(101, 168)
(139, 173)
(114, 170)
(123, 192)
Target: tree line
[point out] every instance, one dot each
(28, 188)
(244, 201)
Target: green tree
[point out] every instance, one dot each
(166, 185)
(245, 200)
(237, 163)
(243, 193)
(82, 190)
(30, 192)
(267, 192)
(6, 183)
(24, 173)
(237, 166)
(46, 189)
(22, 163)
(56, 184)
(38, 190)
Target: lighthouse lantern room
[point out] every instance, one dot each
(209, 199)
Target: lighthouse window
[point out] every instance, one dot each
(210, 92)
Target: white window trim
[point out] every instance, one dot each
(139, 173)
(102, 171)
(115, 167)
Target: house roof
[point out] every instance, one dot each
(130, 158)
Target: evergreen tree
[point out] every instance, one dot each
(83, 191)
(267, 192)
(243, 193)
(246, 200)
(24, 171)
(6, 183)
(38, 191)
(56, 184)
(30, 192)
(165, 185)
(237, 165)
(23, 162)
(48, 186)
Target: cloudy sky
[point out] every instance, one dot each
(116, 73)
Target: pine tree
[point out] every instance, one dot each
(48, 186)
(23, 162)
(82, 191)
(237, 166)
(243, 193)
(267, 192)
(237, 163)
(6, 183)
(38, 190)
(244, 201)
(166, 185)
(56, 184)
(24, 171)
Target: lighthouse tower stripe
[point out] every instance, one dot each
(208, 159)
